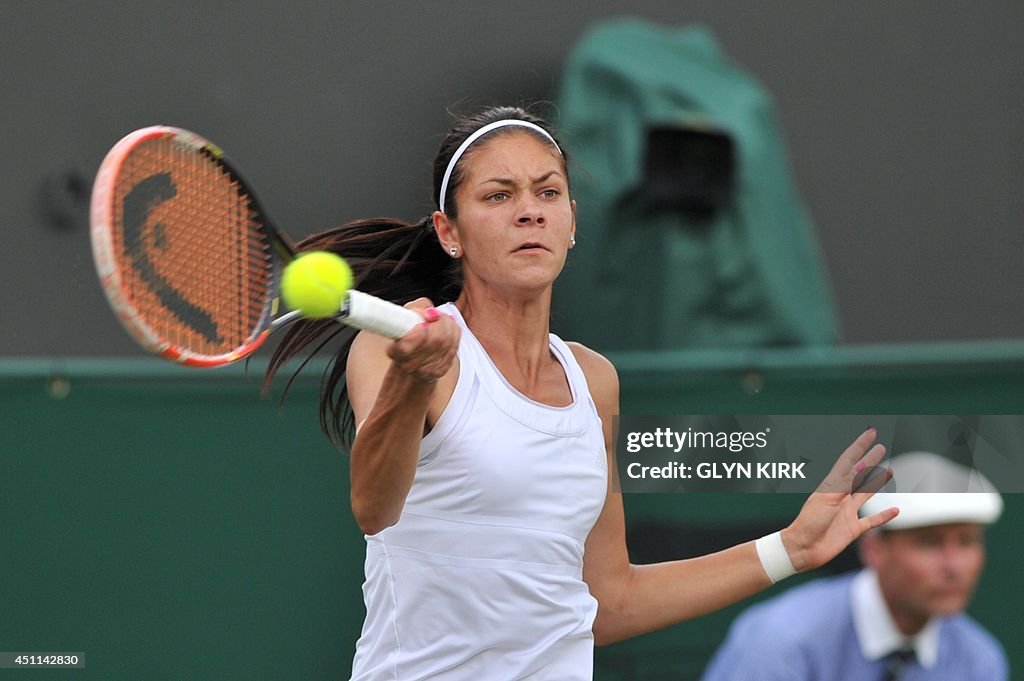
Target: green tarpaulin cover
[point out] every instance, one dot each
(752, 276)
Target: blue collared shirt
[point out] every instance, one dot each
(877, 632)
(808, 633)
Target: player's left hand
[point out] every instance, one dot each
(828, 521)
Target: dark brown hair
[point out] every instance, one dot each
(392, 259)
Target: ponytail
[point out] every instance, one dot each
(391, 259)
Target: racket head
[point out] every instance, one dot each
(186, 256)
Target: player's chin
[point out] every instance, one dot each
(534, 279)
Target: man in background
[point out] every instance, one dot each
(901, 617)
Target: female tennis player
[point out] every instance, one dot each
(495, 546)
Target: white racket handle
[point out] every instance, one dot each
(363, 311)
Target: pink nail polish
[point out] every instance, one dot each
(432, 314)
(859, 467)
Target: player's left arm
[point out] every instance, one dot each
(635, 599)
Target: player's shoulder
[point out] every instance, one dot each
(593, 362)
(602, 378)
(368, 347)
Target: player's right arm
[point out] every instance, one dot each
(394, 388)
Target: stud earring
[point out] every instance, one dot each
(453, 251)
(572, 241)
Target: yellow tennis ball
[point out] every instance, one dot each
(316, 283)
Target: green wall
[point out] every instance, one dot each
(171, 523)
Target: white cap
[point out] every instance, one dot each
(932, 490)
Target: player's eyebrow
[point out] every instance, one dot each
(509, 182)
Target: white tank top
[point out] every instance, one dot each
(482, 576)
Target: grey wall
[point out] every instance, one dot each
(903, 121)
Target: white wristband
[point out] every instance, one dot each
(774, 558)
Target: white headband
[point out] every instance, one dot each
(477, 135)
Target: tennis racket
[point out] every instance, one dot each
(189, 260)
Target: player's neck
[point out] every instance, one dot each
(511, 328)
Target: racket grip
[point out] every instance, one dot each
(378, 316)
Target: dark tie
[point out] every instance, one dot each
(896, 662)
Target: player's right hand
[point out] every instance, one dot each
(427, 351)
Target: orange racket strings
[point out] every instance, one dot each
(193, 255)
